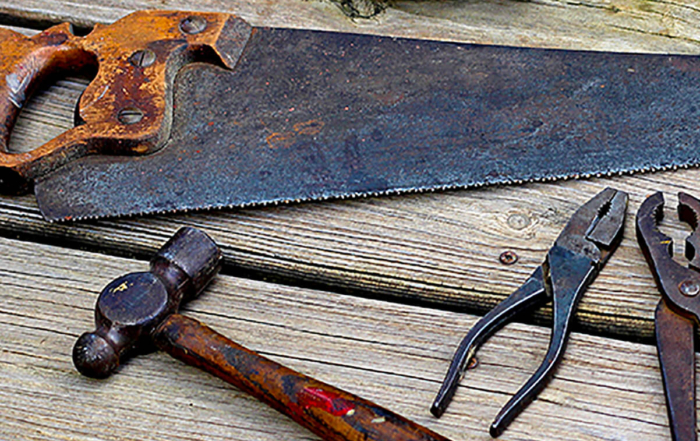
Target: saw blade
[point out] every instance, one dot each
(310, 115)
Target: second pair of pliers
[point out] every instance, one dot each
(678, 311)
(573, 262)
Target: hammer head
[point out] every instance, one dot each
(131, 306)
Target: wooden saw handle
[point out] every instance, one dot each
(330, 413)
(127, 108)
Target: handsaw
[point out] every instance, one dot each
(276, 115)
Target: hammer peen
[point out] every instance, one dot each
(138, 310)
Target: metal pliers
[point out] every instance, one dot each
(679, 308)
(573, 262)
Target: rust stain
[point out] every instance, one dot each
(311, 127)
(119, 83)
(287, 139)
(284, 139)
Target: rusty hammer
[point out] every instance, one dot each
(138, 310)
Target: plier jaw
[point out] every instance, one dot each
(595, 230)
(678, 311)
(577, 256)
(678, 284)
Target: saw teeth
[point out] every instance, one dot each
(399, 191)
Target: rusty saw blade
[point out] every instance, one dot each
(309, 115)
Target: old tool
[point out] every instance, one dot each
(138, 310)
(679, 308)
(577, 256)
(290, 115)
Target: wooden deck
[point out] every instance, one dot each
(370, 295)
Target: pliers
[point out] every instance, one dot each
(573, 262)
(679, 308)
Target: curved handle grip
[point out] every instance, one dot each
(525, 297)
(127, 108)
(675, 344)
(331, 413)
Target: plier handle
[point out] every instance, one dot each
(573, 262)
(679, 308)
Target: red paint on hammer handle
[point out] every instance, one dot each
(328, 401)
(329, 412)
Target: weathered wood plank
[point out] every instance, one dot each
(440, 248)
(393, 354)
(614, 25)
(436, 248)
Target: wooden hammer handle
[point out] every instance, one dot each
(331, 413)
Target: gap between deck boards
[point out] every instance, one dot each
(54, 107)
(49, 113)
(395, 355)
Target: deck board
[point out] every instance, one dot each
(393, 354)
(371, 295)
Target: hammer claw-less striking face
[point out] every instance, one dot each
(679, 309)
(577, 256)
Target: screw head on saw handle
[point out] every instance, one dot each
(127, 108)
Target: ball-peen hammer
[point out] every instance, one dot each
(138, 310)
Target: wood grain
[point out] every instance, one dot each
(433, 249)
(393, 354)
(439, 249)
(612, 25)
(361, 8)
